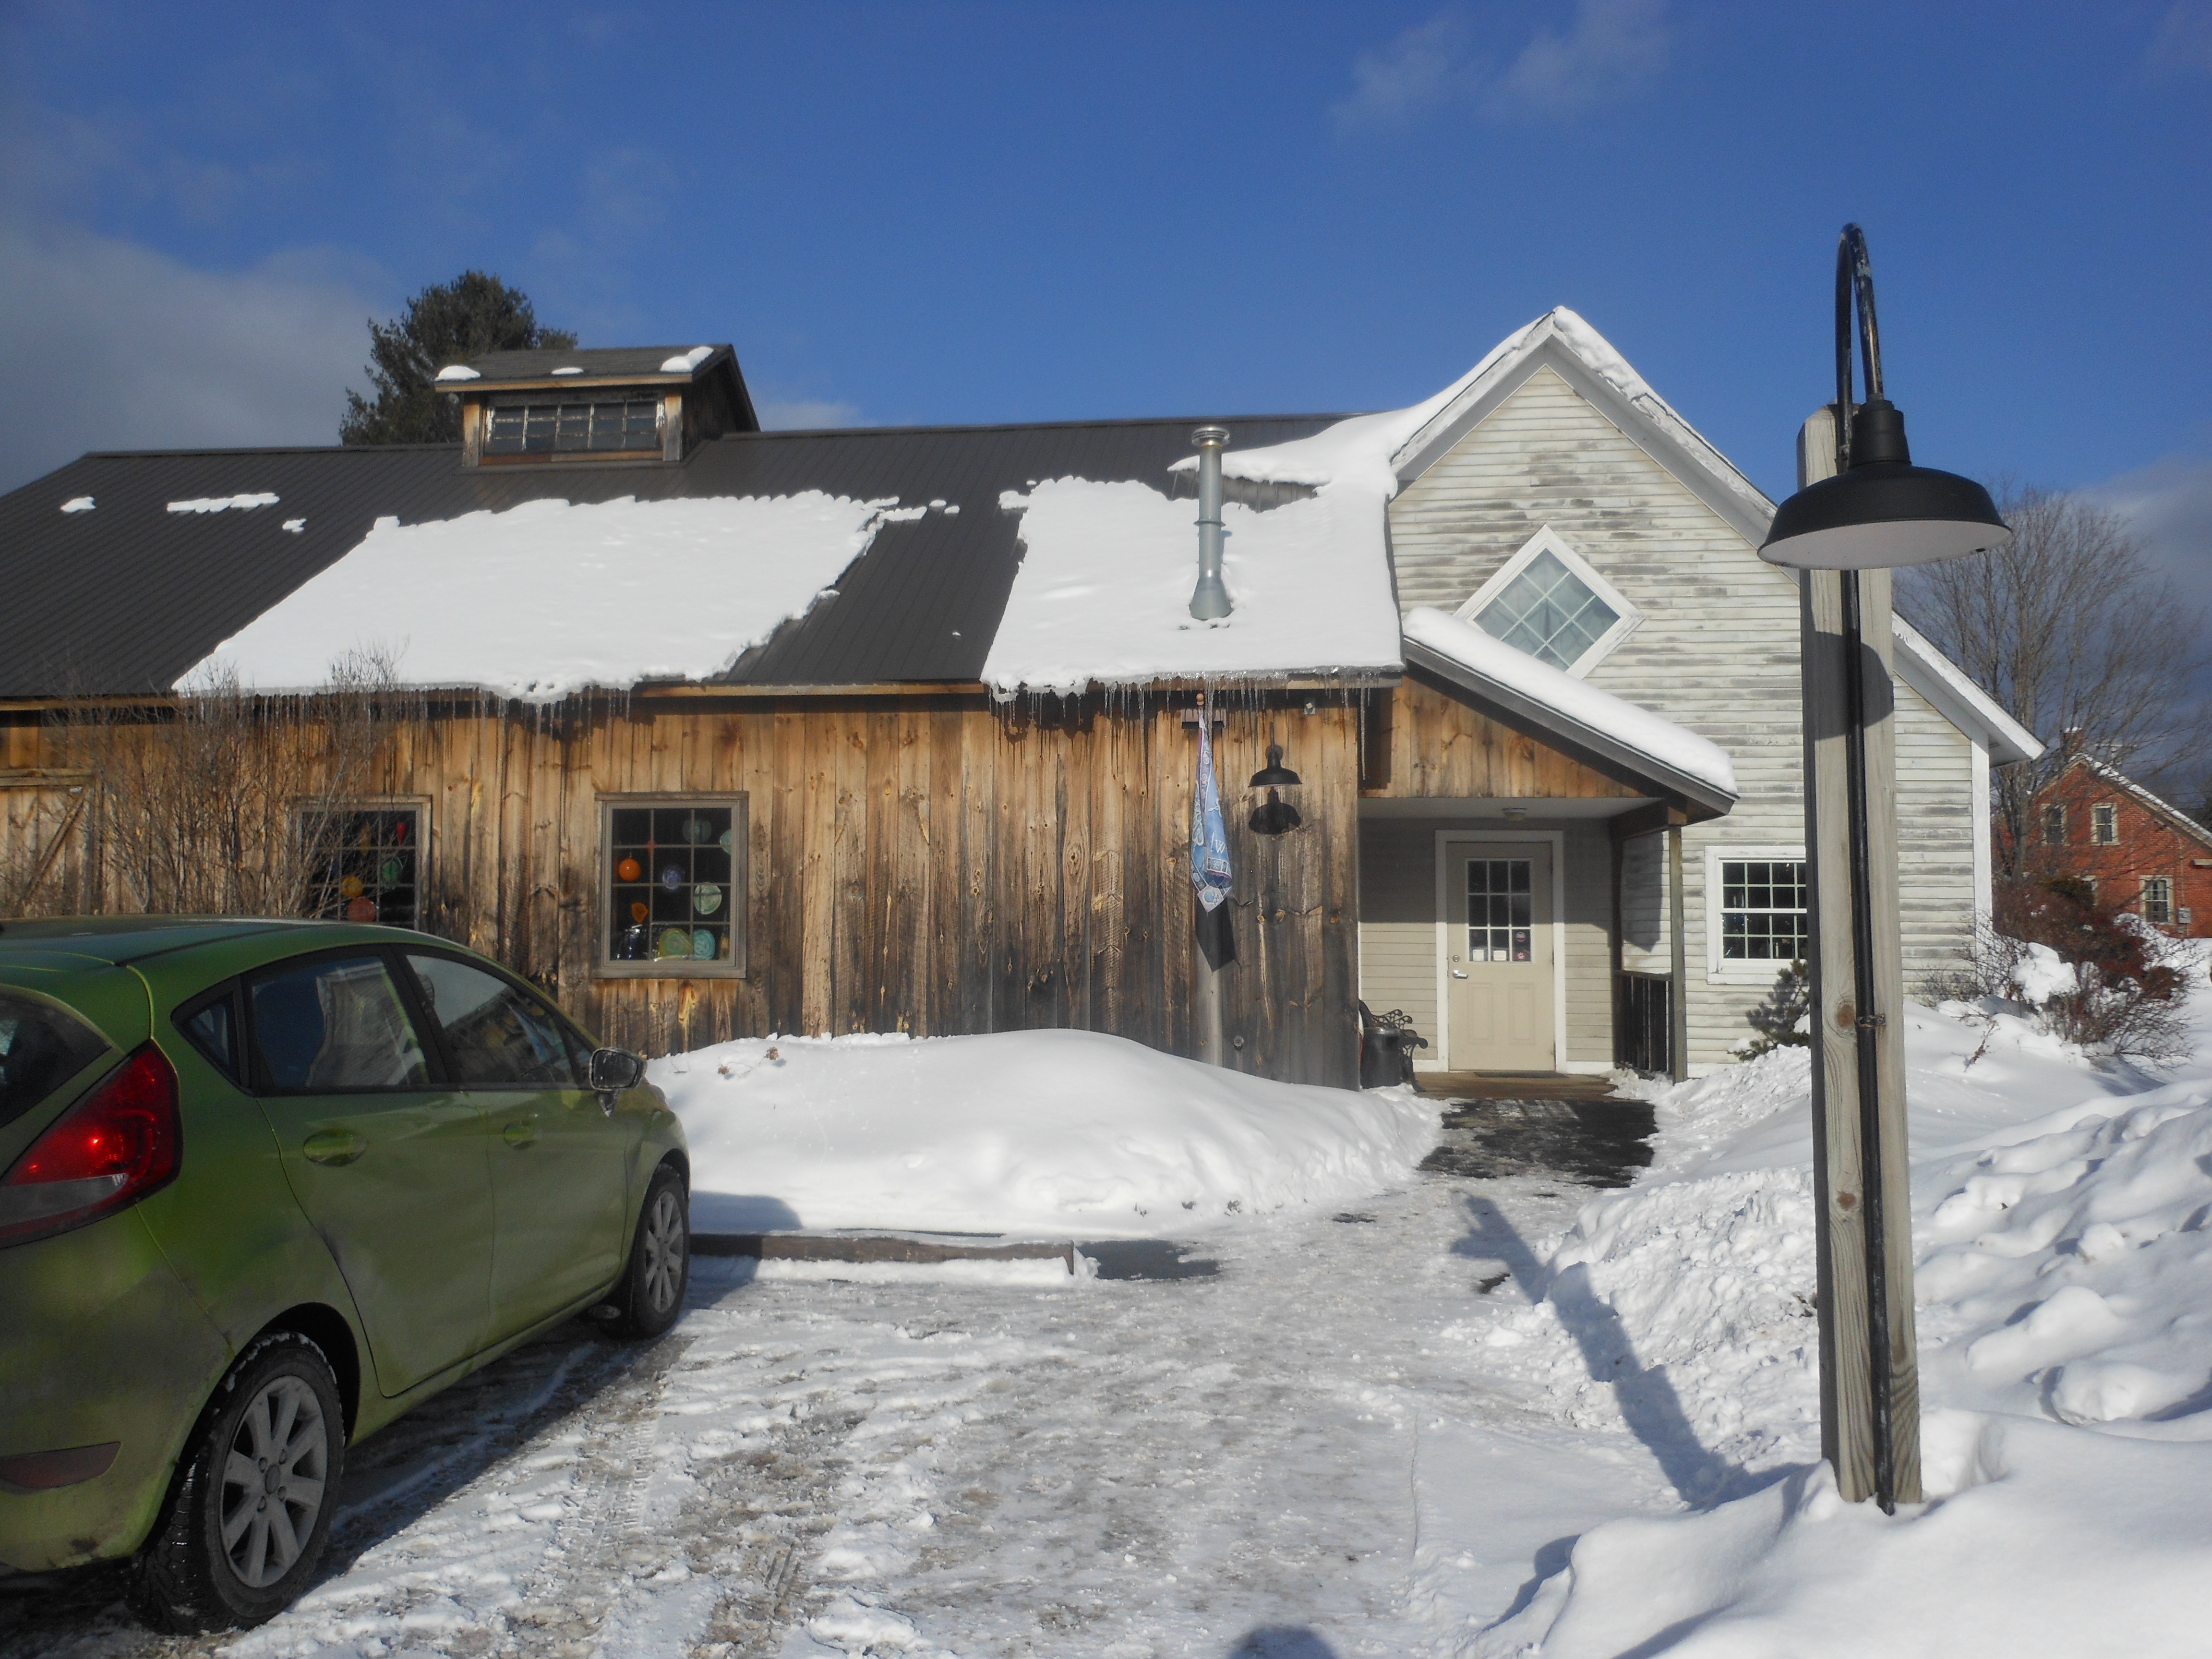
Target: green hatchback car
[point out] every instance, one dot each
(267, 1185)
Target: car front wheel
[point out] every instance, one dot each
(651, 1293)
(250, 1506)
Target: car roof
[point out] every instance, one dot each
(120, 940)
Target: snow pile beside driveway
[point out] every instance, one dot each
(2064, 1285)
(1055, 1134)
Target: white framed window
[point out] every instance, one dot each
(1758, 913)
(1549, 601)
(2158, 901)
(2054, 826)
(2104, 823)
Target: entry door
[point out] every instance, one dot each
(1497, 905)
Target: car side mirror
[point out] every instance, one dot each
(614, 1070)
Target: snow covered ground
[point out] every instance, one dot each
(1052, 1134)
(1451, 1416)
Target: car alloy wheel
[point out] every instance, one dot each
(664, 1241)
(274, 1481)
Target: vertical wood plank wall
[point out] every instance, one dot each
(932, 865)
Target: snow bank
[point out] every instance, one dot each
(1102, 596)
(1055, 1134)
(2065, 1286)
(1649, 734)
(547, 597)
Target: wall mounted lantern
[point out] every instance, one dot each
(1274, 816)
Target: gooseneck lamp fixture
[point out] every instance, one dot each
(1879, 511)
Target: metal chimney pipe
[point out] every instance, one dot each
(1209, 600)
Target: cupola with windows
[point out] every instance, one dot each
(612, 404)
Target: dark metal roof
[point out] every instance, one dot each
(603, 362)
(129, 596)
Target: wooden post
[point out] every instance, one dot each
(1850, 1429)
(1678, 998)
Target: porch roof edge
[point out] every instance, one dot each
(1667, 779)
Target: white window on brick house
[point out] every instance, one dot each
(2158, 901)
(2054, 826)
(2104, 824)
(1549, 601)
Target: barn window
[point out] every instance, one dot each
(617, 424)
(2054, 826)
(1549, 602)
(672, 886)
(2158, 900)
(1758, 919)
(364, 861)
(2104, 824)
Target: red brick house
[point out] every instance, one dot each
(2143, 853)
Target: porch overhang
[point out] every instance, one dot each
(1695, 798)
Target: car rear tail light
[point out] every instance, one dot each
(121, 1142)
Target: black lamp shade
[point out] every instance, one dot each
(1882, 514)
(1274, 774)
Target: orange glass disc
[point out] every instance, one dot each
(637, 911)
(630, 870)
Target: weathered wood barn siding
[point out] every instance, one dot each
(935, 864)
(1716, 652)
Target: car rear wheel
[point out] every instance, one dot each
(652, 1292)
(250, 1506)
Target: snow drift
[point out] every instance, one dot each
(1049, 1134)
(2064, 1293)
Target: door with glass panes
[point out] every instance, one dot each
(1496, 907)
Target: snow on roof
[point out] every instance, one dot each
(77, 504)
(548, 598)
(458, 372)
(685, 362)
(1102, 596)
(2174, 815)
(1574, 708)
(224, 503)
(1368, 451)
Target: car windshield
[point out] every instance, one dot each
(41, 1047)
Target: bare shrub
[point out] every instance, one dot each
(2087, 972)
(206, 806)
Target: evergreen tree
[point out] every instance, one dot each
(449, 323)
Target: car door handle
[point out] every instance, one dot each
(334, 1147)
(521, 1132)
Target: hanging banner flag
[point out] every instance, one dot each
(1210, 877)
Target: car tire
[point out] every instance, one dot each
(249, 1508)
(650, 1295)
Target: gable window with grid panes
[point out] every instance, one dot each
(365, 861)
(1758, 915)
(1549, 602)
(671, 886)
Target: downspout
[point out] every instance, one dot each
(1209, 600)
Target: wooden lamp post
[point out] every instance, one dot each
(1861, 508)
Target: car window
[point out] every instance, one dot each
(495, 1034)
(334, 1024)
(41, 1047)
(212, 1028)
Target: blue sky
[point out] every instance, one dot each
(916, 214)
